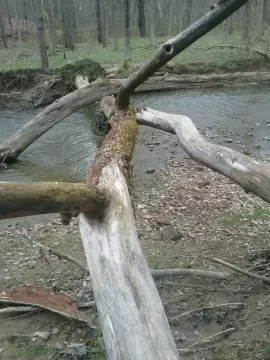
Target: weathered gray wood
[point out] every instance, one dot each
(218, 12)
(11, 148)
(133, 321)
(250, 174)
(24, 199)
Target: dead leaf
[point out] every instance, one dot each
(56, 302)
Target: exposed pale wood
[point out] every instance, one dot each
(11, 148)
(218, 12)
(250, 174)
(133, 321)
(24, 199)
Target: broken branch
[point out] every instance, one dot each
(250, 174)
(24, 199)
(242, 271)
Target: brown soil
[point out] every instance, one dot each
(184, 212)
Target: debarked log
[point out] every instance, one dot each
(12, 147)
(25, 199)
(250, 174)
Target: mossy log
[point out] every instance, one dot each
(25, 199)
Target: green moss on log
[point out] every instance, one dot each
(90, 68)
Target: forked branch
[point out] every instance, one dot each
(218, 12)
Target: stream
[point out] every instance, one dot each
(238, 118)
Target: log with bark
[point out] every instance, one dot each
(132, 317)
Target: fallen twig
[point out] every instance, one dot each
(207, 339)
(60, 254)
(187, 313)
(242, 271)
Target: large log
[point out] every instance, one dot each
(250, 174)
(25, 199)
(11, 148)
(133, 321)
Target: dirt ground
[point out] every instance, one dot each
(184, 214)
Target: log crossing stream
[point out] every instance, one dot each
(237, 118)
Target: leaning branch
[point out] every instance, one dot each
(24, 199)
(218, 12)
(250, 174)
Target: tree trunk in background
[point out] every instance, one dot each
(259, 23)
(25, 16)
(179, 15)
(18, 26)
(247, 19)
(98, 19)
(114, 26)
(170, 18)
(141, 17)
(2, 28)
(187, 17)
(41, 35)
(152, 12)
(9, 17)
(51, 24)
(230, 25)
(103, 23)
(127, 28)
(69, 23)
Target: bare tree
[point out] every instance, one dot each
(141, 17)
(2, 28)
(69, 23)
(127, 28)
(18, 26)
(41, 35)
(49, 5)
(103, 23)
(152, 32)
(114, 25)
(98, 19)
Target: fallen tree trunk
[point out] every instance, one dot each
(25, 199)
(250, 174)
(11, 148)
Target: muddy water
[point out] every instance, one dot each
(238, 118)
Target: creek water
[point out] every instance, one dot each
(239, 118)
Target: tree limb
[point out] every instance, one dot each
(218, 12)
(250, 174)
(24, 199)
(242, 271)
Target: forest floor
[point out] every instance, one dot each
(209, 54)
(184, 213)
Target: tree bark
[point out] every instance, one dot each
(51, 25)
(2, 28)
(103, 23)
(141, 17)
(69, 23)
(219, 12)
(98, 19)
(114, 25)
(18, 26)
(25, 199)
(152, 32)
(127, 28)
(41, 35)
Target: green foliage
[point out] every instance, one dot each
(238, 217)
(96, 350)
(86, 67)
